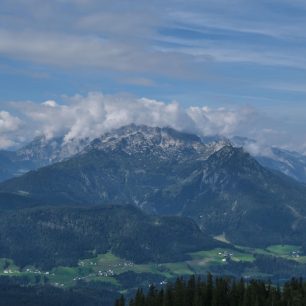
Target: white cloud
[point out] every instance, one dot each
(94, 114)
(259, 149)
(8, 125)
(91, 115)
(50, 103)
(219, 121)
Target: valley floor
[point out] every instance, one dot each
(120, 274)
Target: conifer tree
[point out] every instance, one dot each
(221, 291)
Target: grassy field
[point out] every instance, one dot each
(291, 252)
(105, 267)
(283, 250)
(221, 255)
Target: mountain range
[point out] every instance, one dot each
(166, 172)
(43, 151)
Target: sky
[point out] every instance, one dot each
(81, 67)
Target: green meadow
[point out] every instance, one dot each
(105, 267)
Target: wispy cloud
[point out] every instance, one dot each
(127, 39)
(86, 51)
(208, 51)
(286, 86)
(242, 22)
(138, 81)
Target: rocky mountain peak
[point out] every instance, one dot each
(164, 142)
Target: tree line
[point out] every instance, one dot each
(220, 291)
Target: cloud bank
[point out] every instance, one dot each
(91, 115)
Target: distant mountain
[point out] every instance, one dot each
(43, 152)
(124, 166)
(290, 163)
(164, 171)
(38, 153)
(49, 237)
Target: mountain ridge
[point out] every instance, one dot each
(224, 190)
(43, 151)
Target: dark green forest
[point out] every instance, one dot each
(220, 291)
(48, 237)
(14, 295)
(195, 291)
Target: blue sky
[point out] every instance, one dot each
(220, 54)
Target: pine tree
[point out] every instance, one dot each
(120, 301)
(139, 298)
(221, 292)
(209, 290)
(179, 292)
(168, 296)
